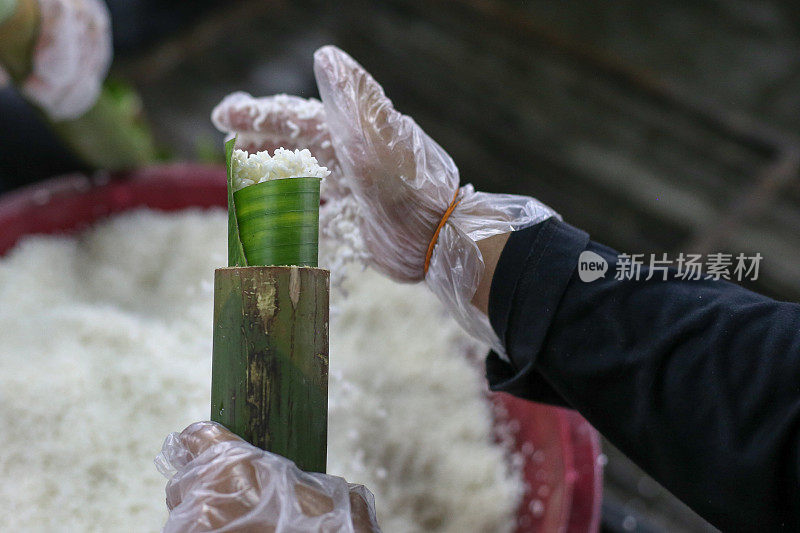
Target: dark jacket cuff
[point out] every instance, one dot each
(532, 274)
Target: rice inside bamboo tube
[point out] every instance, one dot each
(269, 382)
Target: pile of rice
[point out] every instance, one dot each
(105, 347)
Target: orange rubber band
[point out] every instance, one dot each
(451, 207)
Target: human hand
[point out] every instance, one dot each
(59, 53)
(415, 221)
(218, 482)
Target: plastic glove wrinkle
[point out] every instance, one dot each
(222, 483)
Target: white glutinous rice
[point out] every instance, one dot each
(105, 348)
(249, 169)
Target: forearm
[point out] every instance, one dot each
(694, 380)
(491, 249)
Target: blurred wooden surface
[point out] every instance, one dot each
(656, 126)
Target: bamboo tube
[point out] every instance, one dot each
(270, 359)
(269, 380)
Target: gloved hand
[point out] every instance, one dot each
(71, 56)
(218, 482)
(406, 186)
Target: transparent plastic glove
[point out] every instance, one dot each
(404, 182)
(218, 482)
(401, 179)
(71, 57)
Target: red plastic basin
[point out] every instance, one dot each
(560, 449)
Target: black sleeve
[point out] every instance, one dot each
(696, 381)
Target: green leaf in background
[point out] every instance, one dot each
(7, 8)
(19, 32)
(236, 255)
(112, 134)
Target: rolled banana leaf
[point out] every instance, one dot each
(236, 255)
(276, 222)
